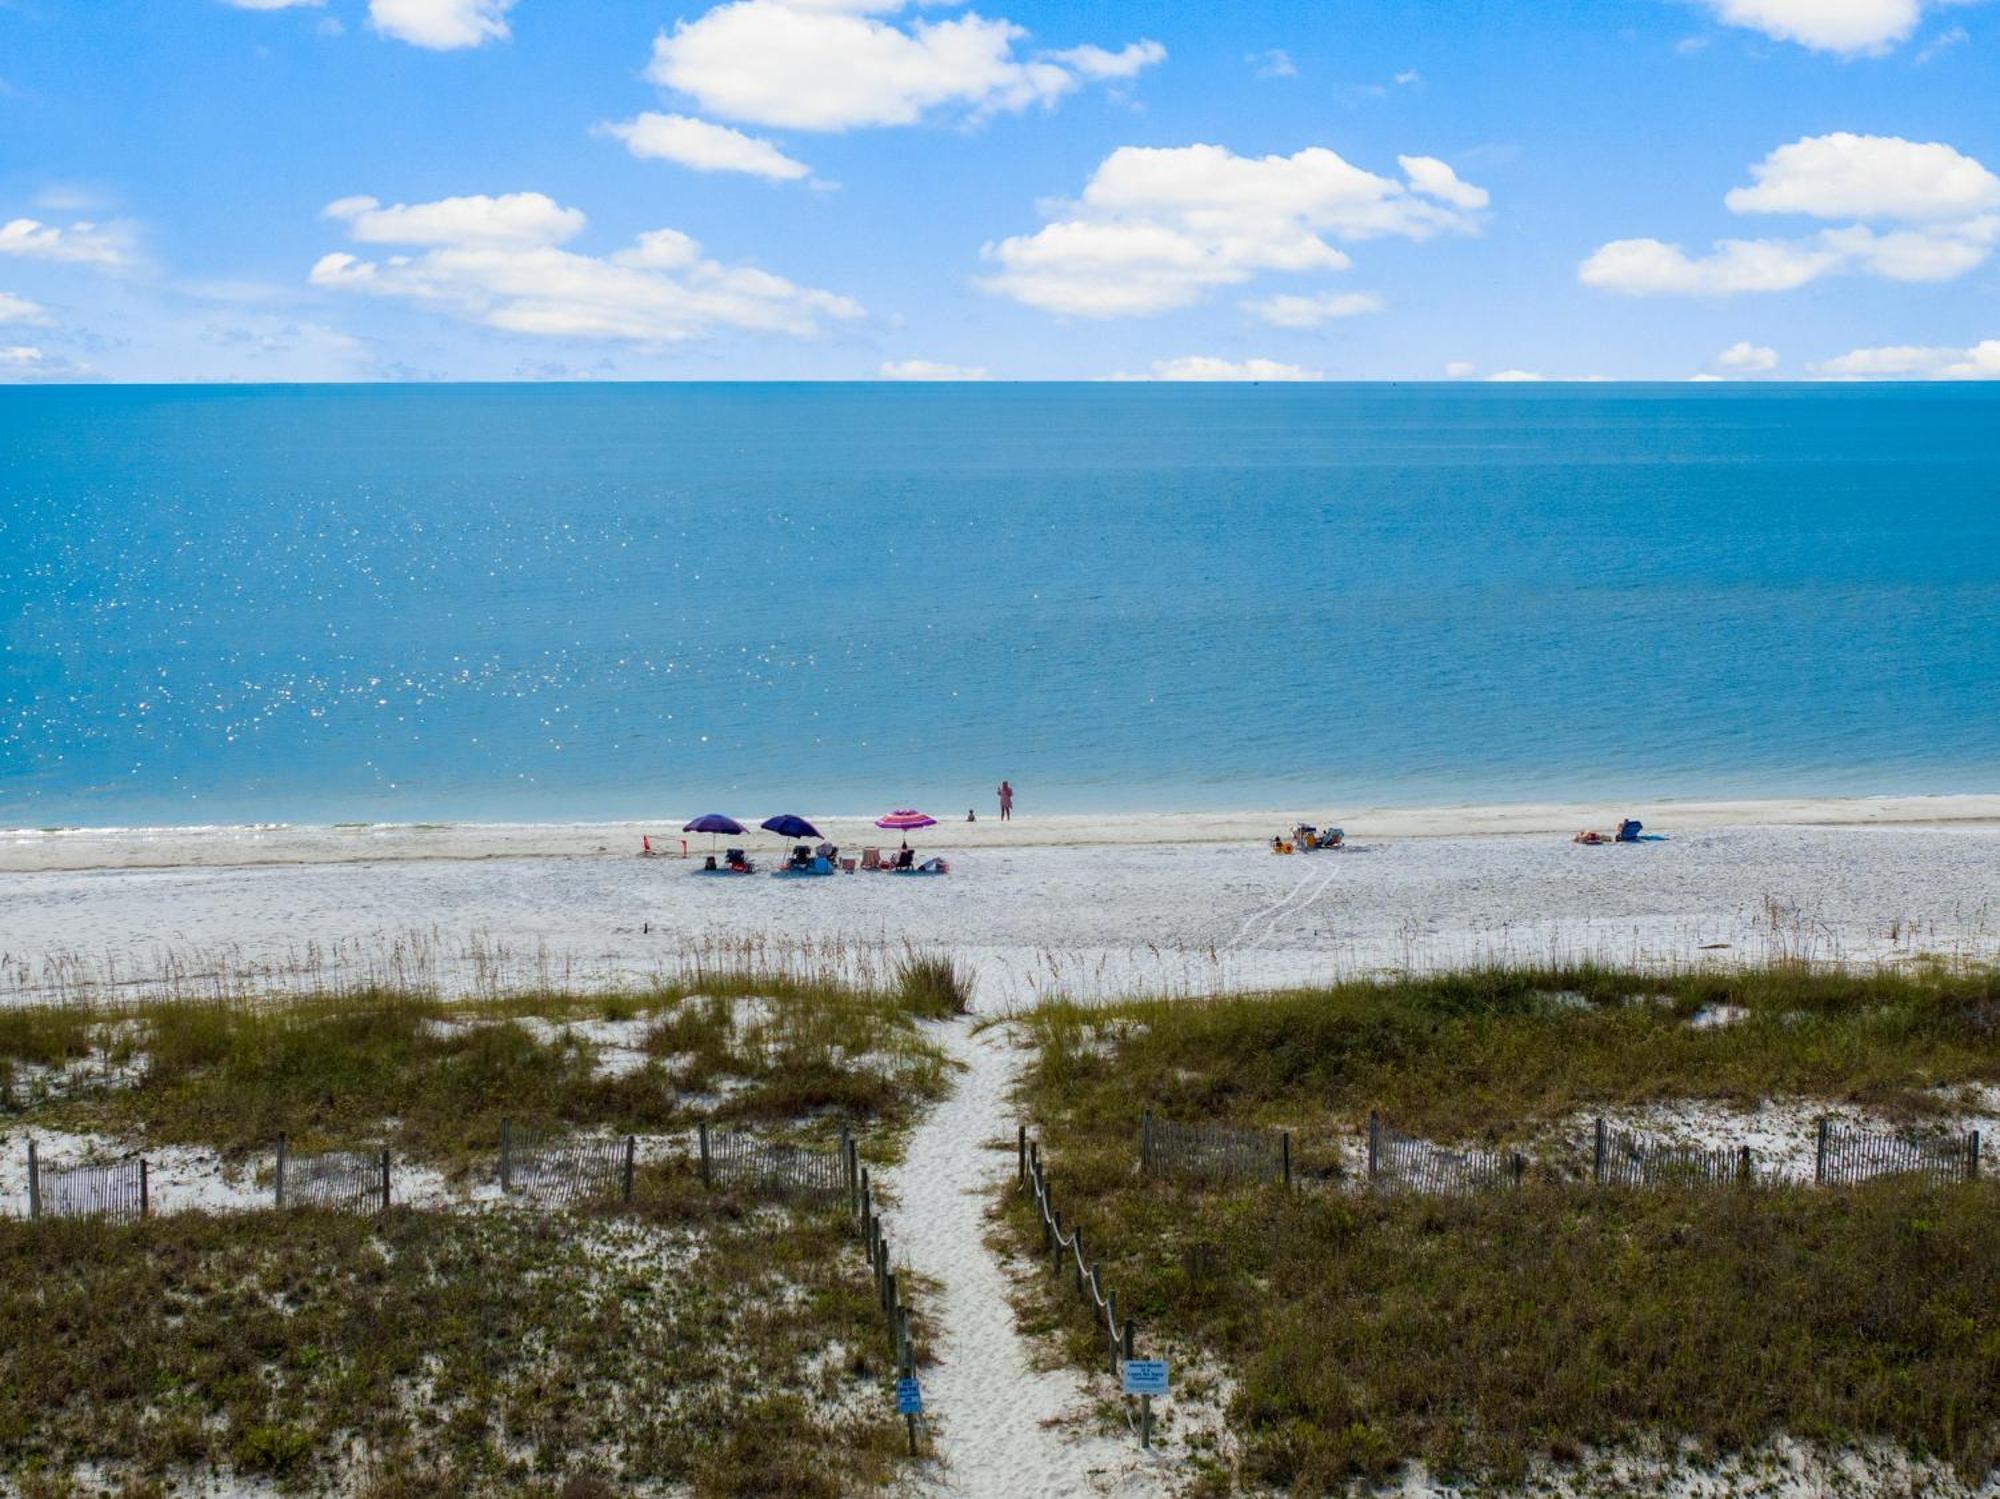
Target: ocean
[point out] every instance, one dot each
(564, 602)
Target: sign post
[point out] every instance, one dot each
(910, 1405)
(1145, 1377)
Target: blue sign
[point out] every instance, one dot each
(909, 1398)
(1145, 1376)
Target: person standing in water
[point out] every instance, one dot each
(1006, 802)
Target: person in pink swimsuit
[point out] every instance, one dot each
(1006, 802)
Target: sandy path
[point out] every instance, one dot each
(1002, 1427)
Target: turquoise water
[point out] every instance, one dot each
(527, 602)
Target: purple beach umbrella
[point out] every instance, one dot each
(790, 825)
(713, 823)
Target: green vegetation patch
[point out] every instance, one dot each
(434, 1079)
(1462, 1055)
(696, 1341)
(1485, 1335)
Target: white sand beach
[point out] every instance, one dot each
(1172, 903)
(1088, 907)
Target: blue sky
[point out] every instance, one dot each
(855, 189)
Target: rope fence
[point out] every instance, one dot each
(1120, 1334)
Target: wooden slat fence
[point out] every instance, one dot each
(1404, 1163)
(109, 1189)
(1845, 1155)
(1214, 1152)
(346, 1181)
(1620, 1158)
(566, 1170)
(736, 1158)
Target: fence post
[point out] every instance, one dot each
(1519, 1165)
(1819, 1155)
(385, 1181)
(1374, 1143)
(889, 1291)
(1021, 1150)
(34, 1181)
(1287, 1158)
(1597, 1156)
(1972, 1164)
(1077, 1244)
(1743, 1165)
(281, 1170)
(701, 1134)
(1146, 1143)
(506, 1157)
(631, 1152)
(145, 1191)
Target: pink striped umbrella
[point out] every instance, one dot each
(903, 819)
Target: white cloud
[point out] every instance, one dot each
(1847, 176)
(704, 147)
(1943, 42)
(16, 309)
(1460, 369)
(1409, 76)
(1746, 358)
(1431, 177)
(26, 364)
(81, 243)
(1844, 26)
(1275, 63)
(1939, 212)
(820, 66)
(1907, 361)
(1158, 227)
(1289, 311)
(1208, 368)
(1515, 377)
(931, 369)
(499, 262)
(1095, 62)
(442, 25)
(1645, 267)
(270, 4)
(516, 219)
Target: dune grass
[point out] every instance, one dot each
(1481, 1053)
(1485, 1336)
(433, 1079)
(695, 1340)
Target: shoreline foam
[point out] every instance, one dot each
(212, 845)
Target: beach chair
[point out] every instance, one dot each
(1628, 830)
(871, 858)
(847, 866)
